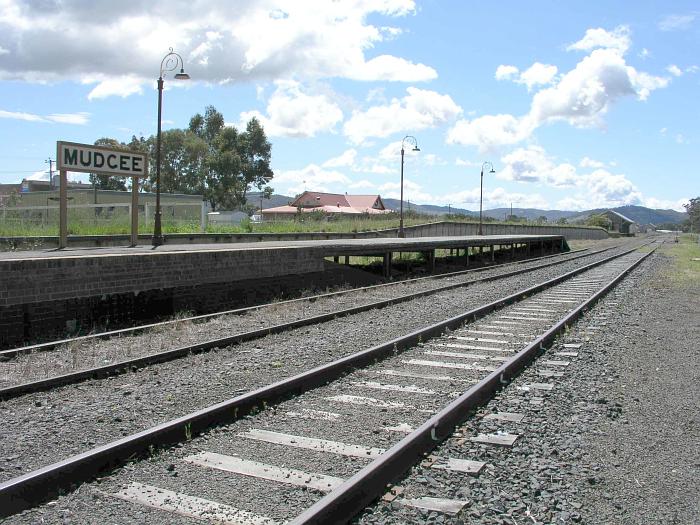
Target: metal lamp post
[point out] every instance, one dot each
(410, 140)
(481, 192)
(170, 62)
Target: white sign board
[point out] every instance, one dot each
(97, 159)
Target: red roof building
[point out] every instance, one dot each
(330, 203)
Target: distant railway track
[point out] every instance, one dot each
(126, 365)
(486, 347)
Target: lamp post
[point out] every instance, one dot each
(481, 192)
(410, 140)
(170, 62)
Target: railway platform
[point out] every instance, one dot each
(70, 288)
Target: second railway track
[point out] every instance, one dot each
(482, 347)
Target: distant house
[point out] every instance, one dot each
(619, 223)
(329, 203)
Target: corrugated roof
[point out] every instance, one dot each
(317, 199)
(627, 219)
(349, 210)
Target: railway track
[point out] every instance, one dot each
(419, 386)
(72, 357)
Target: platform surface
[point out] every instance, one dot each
(326, 247)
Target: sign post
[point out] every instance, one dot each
(63, 209)
(86, 158)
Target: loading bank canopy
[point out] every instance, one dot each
(86, 158)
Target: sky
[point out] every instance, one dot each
(576, 104)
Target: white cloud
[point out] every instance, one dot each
(362, 184)
(618, 39)
(674, 70)
(293, 113)
(58, 118)
(587, 162)
(311, 177)
(664, 204)
(580, 97)
(680, 139)
(676, 22)
(466, 163)
(532, 164)
(608, 189)
(663, 131)
(220, 42)
(18, 115)
(70, 118)
(419, 109)
(121, 86)
(692, 69)
(347, 158)
(585, 93)
(489, 131)
(378, 169)
(388, 68)
(644, 53)
(39, 175)
(538, 74)
(504, 72)
(4, 51)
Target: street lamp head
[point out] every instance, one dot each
(170, 63)
(492, 170)
(182, 75)
(410, 139)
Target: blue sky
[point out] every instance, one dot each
(577, 104)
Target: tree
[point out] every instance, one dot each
(234, 161)
(693, 210)
(108, 182)
(598, 220)
(562, 220)
(212, 159)
(541, 219)
(182, 158)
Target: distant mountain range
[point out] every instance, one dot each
(638, 214)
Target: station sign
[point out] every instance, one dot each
(97, 159)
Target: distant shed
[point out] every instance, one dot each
(621, 224)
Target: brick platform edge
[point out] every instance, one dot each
(44, 298)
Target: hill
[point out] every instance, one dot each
(640, 215)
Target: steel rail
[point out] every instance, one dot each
(136, 363)
(38, 486)
(50, 345)
(353, 495)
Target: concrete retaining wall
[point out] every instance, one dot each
(444, 229)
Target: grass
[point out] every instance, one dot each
(684, 271)
(85, 224)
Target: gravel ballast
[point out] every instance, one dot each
(615, 440)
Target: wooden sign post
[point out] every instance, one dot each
(105, 161)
